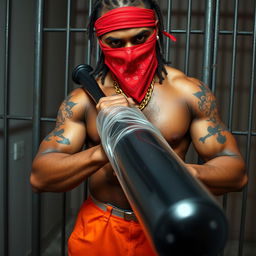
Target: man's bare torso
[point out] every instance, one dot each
(167, 110)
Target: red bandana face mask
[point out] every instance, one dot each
(133, 67)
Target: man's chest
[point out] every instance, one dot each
(172, 118)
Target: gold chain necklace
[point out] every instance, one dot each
(147, 97)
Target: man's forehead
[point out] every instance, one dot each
(121, 33)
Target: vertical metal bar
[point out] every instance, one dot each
(6, 133)
(67, 48)
(168, 26)
(249, 137)
(97, 52)
(88, 58)
(64, 196)
(36, 199)
(215, 45)
(233, 65)
(88, 61)
(208, 42)
(188, 38)
(232, 81)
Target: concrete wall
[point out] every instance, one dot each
(20, 90)
(20, 103)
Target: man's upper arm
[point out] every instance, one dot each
(209, 135)
(69, 133)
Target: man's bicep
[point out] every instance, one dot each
(212, 139)
(209, 134)
(68, 138)
(69, 133)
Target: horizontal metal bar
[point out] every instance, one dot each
(26, 118)
(49, 119)
(16, 117)
(222, 32)
(178, 31)
(64, 30)
(242, 133)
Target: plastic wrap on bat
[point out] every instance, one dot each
(179, 215)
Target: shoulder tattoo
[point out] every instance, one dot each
(65, 112)
(208, 107)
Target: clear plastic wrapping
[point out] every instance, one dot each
(116, 122)
(166, 198)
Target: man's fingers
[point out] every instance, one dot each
(114, 100)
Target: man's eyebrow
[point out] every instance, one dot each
(141, 33)
(113, 38)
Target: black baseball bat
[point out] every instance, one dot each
(81, 75)
(178, 214)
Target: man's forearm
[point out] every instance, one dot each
(221, 175)
(60, 172)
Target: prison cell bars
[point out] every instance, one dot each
(233, 66)
(208, 42)
(168, 28)
(215, 46)
(209, 76)
(249, 137)
(232, 80)
(36, 198)
(6, 133)
(188, 37)
(63, 231)
(37, 248)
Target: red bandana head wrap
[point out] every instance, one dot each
(134, 67)
(127, 17)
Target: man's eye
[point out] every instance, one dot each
(140, 39)
(115, 44)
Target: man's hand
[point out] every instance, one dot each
(191, 170)
(114, 100)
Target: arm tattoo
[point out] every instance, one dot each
(47, 151)
(65, 112)
(226, 153)
(207, 105)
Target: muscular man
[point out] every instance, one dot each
(131, 72)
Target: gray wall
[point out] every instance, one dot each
(20, 89)
(20, 103)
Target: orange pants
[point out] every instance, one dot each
(98, 233)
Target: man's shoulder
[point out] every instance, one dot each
(79, 102)
(80, 95)
(184, 84)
